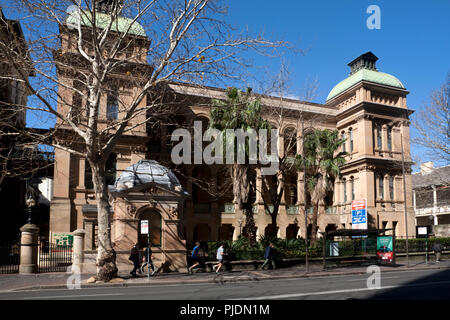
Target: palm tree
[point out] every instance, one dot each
(241, 110)
(322, 161)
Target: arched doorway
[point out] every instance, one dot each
(154, 228)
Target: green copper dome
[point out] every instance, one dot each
(121, 24)
(363, 69)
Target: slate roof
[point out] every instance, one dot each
(438, 177)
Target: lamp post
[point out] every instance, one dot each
(404, 200)
(30, 204)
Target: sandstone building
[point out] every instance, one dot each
(368, 108)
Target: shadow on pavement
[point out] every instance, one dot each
(433, 287)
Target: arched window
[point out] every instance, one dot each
(293, 195)
(290, 142)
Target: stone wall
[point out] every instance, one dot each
(442, 230)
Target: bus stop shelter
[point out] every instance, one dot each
(356, 245)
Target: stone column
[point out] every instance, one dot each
(29, 249)
(89, 235)
(78, 248)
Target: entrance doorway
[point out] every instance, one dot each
(154, 228)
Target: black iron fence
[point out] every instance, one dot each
(9, 257)
(54, 258)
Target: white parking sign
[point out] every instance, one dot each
(144, 226)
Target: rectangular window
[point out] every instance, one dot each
(391, 188)
(389, 138)
(345, 191)
(351, 140)
(379, 141)
(345, 142)
(112, 107)
(353, 189)
(380, 188)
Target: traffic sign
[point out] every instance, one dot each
(359, 214)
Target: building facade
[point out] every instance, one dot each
(368, 108)
(13, 96)
(431, 197)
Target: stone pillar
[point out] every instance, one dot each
(29, 249)
(78, 248)
(89, 235)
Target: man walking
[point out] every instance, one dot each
(134, 257)
(195, 257)
(219, 257)
(437, 247)
(269, 255)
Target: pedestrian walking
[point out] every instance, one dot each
(437, 248)
(195, 259)
(147, 258)
(135, 258)
(269, 255)
(219, 257)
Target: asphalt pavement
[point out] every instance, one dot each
(290, 283)
(407, 284)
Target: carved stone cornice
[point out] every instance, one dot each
(367, 168)
(364, 116)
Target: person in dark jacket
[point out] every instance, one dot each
(269, 255)
(135, 258)
(437, 248)
(148, 256)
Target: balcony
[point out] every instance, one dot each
(330, 210)
(291, 209)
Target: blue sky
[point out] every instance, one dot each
(413, 43)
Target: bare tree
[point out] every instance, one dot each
(84, 49)
(433, 124)
(291, 122)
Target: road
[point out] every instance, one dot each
(419, 284)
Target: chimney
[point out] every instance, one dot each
(426, 167)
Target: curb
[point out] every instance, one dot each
(219, 279)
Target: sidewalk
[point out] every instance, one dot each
(12, 282)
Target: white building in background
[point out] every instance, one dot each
(431, 196)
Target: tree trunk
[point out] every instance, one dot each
(242, 195)
(106, 256)
(314, 223)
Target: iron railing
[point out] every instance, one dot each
(9, 257)
(54, 258)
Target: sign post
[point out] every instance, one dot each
(144, 230)
(359, 215)
(424, 232)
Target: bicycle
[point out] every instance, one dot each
(144, 268)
